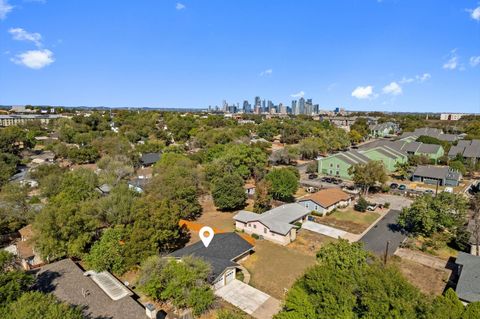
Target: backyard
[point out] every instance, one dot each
(274, 268)
(429, 280)
(349, 220)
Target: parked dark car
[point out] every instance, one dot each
(402, 187)
(336, 181)
(328, 180)
(429, 191)
(312, 176)
(393, 185)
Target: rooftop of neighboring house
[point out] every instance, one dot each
(432, 132)
(383, 126)
(279, 220)
(221, 253)
(466, 148)
(403, 146)
(101, 295)
(327, 197)
(468, 286)
(438, 172)
(150, 158)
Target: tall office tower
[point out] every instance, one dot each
(316, 108)
(282, 108)
(270, 106)
(301, 106)
(257, 102)
(294, 107)
(264, 108)
(309, 107)
(246, 107)
(224, 105)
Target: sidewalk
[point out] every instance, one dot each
(421, 258)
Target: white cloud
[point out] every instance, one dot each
(20, 34)
(180, 6)
(364, 92)
(393, 88)
(475, 60)
(5, 9)
(406, 80)
(453, 61)
(475, 13)
(298, 95)
(34, 59)
(424, 77)
(267, 72)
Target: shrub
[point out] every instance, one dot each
(386, 205)
(255, 236)
(361, 205)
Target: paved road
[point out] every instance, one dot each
(375, 240)
(253, 301)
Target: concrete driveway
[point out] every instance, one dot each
(396, 202)
(324, 230)
(253, 301)
(386, 230)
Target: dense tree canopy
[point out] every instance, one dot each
(368, 175)
(284, 183)
(228, 192)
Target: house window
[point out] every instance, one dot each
(249, 225)
(273, 234)
(331, 172)
(338, 165)
(264, 230)
(306, 205)
(331, 164)
(255, 226)
(316, 208)
(338, 173)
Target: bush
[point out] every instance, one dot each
(361, 205)
(386, 205)
(255, 236)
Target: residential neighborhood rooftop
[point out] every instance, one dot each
(220, 253)
(439, 172)
(468, 286)
(278, 219)
(327, 197)
(68, 282)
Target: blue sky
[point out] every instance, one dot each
(393, 55)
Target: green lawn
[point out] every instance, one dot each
(349, 220)
(353, 216)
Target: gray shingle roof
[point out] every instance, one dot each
(468, 286)
(468, 149)
(438, 172)
(150, 158)
(220, 253)
(66, 280)
(279, 220)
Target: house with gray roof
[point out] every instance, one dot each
(276, 225)
(149, 159)
(384, 129)
(468, 285)
(443, 175)
(222, 254)
(100, 295)
(432, 132)
(467, 149)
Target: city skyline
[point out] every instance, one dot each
(370, 55)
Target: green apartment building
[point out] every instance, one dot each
(338, 164)
(388, 152)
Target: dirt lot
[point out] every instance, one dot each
(215, 218)
(349, 220)
(275, 268)
(430, 281)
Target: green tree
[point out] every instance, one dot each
(284, 183)
(343, 256)
(428, 215)
(458, 166)
(183, 283)
(368, 174)
(108, 253)
(312, 167)
(311, 147)
(228, 192)
(38, 305)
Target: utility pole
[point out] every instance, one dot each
(436, 190)
(386, 253)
